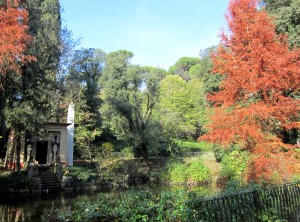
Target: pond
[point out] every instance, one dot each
(30, 209)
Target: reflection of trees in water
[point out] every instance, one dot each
(12, 214)
(20, 209)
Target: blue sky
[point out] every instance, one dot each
(158, 32)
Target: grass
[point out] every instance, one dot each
(189, 145)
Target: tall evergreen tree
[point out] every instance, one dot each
(29, 97)
(36, 87)
(14, 39)
(182, 67)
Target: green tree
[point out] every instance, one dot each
(129, 94)
(87, 129)
(68, 45)
(287, 18)
(182, 106)
(182, 67)
(82, 88)
(85, 69)
(29, 97)
(203, 70)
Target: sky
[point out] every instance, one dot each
(158, 32)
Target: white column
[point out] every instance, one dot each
(71, 113)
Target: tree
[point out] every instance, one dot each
(256, 98)
(87, 129)
(129, 95)
(181, 107)
(86, 68)
(14, 38)
(182, 67)
(29, 96)
(84, 71)
(287, 18)
(203, 70)
(68, 45)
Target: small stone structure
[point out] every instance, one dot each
(56, 146)
(49, 149)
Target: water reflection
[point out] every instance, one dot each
(31, 209)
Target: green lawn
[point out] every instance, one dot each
(189, 145)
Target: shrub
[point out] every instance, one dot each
(127, 152)
(196, 171)
(178, 172)
(84, 174)
(15, 181)
(174, 172)
(192, 146)
(219, 153)
(130, 206)
(125, 167)
(106, 149)
(234, 164)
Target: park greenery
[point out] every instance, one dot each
(238, 100)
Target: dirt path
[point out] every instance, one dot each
(209, 160)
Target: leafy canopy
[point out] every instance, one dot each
(13, 39)
(181, 107)
(287, 18)
(129, 94)
(256, 98)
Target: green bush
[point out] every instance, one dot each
(219, 153)
(127, 152)
(125, 167)
(129, 206)
(106, 149)
(15, 181)
(178, 172)
(84, 174)
(174, 172)
(234, 164)
(196, 171)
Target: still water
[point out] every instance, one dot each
(31, 209)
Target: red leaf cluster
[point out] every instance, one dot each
(256, 97)
(273, 169)
(13, 39)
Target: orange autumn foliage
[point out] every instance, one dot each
(255, 100)
(13, 39)
(271, 169)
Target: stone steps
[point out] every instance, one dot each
(49, 179)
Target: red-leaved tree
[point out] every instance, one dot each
(257, 98)
(13, 38)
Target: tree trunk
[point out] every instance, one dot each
(2, 124)
(144, 151)
(141, 152)
(18, 153)
(10, 152)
